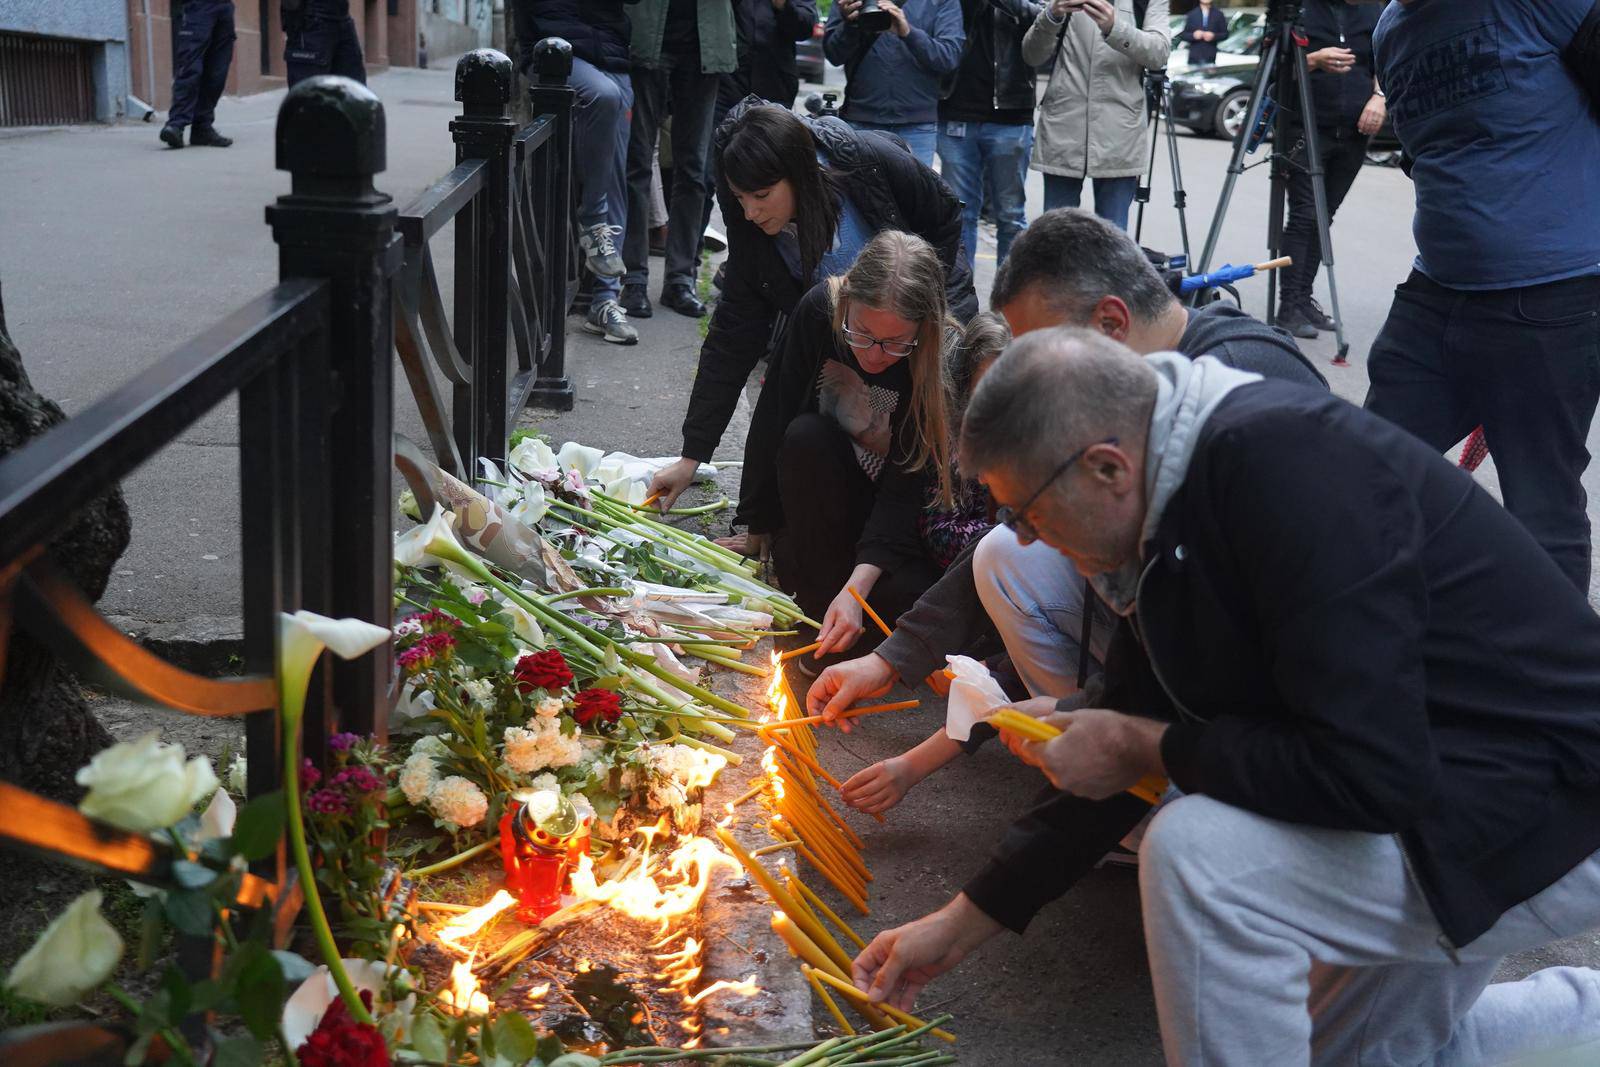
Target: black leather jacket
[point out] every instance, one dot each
(1014, 81)
(891, 190)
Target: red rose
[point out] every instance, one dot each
(543, 670)
(341, 1041)
(591, 704)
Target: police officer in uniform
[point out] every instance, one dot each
(320, 38)
(205, 50)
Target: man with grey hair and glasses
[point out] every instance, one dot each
(1378, 695)
(1069, 267)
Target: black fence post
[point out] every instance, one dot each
(484, 131)
(335, 225)
(552, 94)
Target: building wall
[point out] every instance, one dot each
(456, 26)
(385, 39)
(103, 22)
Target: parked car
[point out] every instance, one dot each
(1212, 101)
(808, 59)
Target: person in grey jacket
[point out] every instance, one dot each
(1092, 121)
(892, 78)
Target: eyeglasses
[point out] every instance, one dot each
(863, 341)
(1016, 519)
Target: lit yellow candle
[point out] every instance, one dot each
(780, 896)
(890, 1010)
(827, 1000)
(804, 894)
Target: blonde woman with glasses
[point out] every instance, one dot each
(850, 440)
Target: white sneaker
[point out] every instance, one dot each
(607, 319)
(599, 246)
(713, 241)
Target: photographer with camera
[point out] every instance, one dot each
(1092, 122)
(986, 119)
(1350, 108)
(894, 56)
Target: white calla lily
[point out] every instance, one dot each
(76, 952)
(526, 626)
(144, 785)
(530, 504)
(533, 457)
(627, 490)
(611, 468)
(580, 458)
(301, 639)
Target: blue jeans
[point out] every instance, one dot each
(602, 102)
(971, 151)
(1112, 196)
(921, 136)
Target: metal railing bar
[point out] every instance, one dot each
(73, 462)
(441, 201)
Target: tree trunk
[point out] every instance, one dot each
(46, 729)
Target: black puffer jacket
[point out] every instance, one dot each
(598, 30)
(891, 189)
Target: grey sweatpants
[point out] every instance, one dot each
(1284, 944)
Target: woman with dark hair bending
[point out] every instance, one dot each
(850, 441)
(800, 198)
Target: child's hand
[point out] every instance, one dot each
(880, 786)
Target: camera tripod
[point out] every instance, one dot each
(1158, 92)
(1283, 69)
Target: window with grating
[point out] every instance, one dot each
(45, 81)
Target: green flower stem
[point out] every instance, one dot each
(703, 509)
(598, 591)
(293, 698)
(710, 656)
(175, 1040)
(690, 544)
(454, 861)
(733, 758)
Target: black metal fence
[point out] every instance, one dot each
(311, 363)
(510, 199)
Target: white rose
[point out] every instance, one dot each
(458, 801)
(481, 690)
(418, 775)
(76, 952)
(533, 456)
(238, 772)
(580, 458)
(144, 785)
(432, 745)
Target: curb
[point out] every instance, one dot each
(204, 644)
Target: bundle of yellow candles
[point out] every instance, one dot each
(1148, 789)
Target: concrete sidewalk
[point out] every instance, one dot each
(117, 249)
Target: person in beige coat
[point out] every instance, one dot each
(1092, 120)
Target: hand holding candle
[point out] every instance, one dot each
(1108, 752)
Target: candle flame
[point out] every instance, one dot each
(464, 997)
(746, 988)
(470, 922)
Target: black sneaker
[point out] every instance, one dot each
(172, 136)
(636, 300)
(1315, 315)
(1292, 318)
(208, 138)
